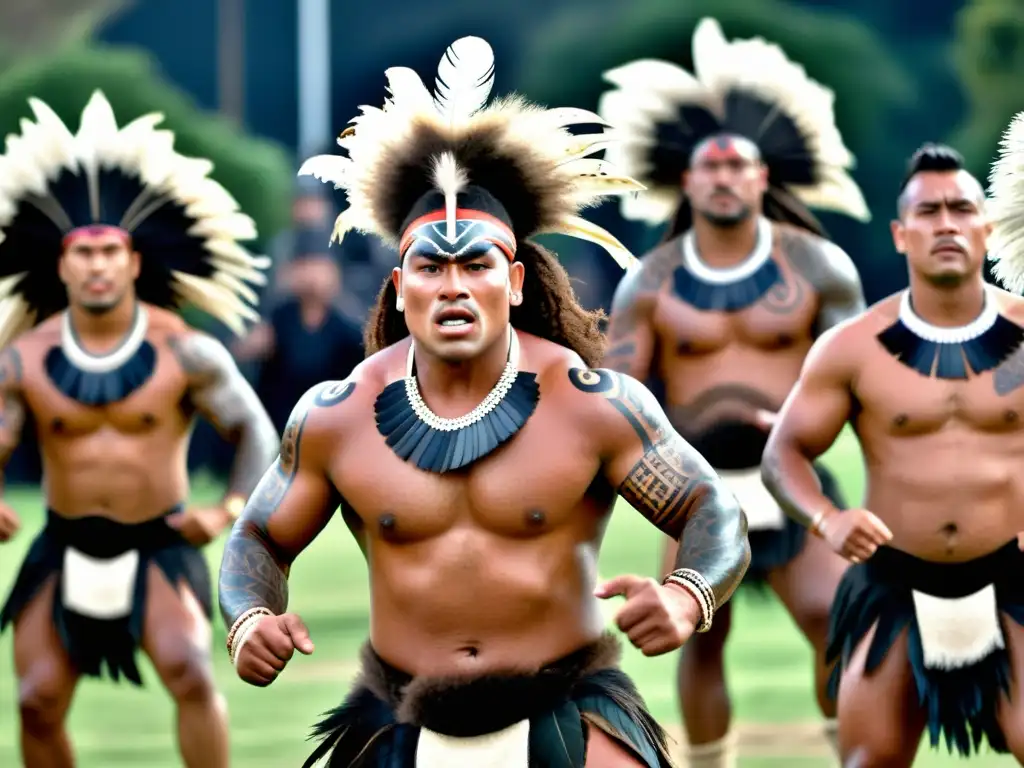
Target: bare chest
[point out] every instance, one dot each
(782, 318)
(900, 401)
(156, 405)
(537, 482)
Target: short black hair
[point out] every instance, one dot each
(929, 157)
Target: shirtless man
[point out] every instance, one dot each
(480, 506)
(113, 383)
(932, 379)
(720, 316)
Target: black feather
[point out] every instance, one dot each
(557, 739)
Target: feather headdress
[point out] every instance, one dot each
(185, 225)
(1006, 208)
(450, 161)
(744, 87)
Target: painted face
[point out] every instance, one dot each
(943, 229)
(98, 267)
(458, 280)
(726, 179)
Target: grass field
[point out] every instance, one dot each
(120, 727)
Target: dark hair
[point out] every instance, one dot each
(777, 205)
(929, 157)
(549, 310)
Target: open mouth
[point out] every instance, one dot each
(454, 318)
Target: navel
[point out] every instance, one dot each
(900, 420)
(684, 347)
(387, 523)
(535, 518)
(1011, 417)
(785, 340)
(57, 426)
(148, 419)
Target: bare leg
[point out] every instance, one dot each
(46, 684)
(176, 636)
(880, 721)
(1011, 709)
(703, 694)
(806, 586)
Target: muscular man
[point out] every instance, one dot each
(927, 625)
(477, 456)
(112, 229)
(722, 313)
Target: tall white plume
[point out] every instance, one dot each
(465, 77)
(1006, 208)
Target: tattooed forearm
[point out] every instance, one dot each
(254, 573)
(831, 272)
(223, 396)
(791, 480)
(294, 500)
(674, 487)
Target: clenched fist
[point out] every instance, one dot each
(269, 646)
(657, 618)
(855, 533)
(9, 523)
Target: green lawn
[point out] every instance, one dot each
(119, 726)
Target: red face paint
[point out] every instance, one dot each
(721, 149)
(96, 230)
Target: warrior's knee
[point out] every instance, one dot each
(188, 676)
(42, 703)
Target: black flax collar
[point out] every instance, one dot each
(98, 380)
(951, 353)
(417, 435)
(727, 290)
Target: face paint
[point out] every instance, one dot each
(96, 230)
(726, 148)
(475, 232)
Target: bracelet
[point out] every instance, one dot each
(234, 505)
(817, 520)
(698, 586)
(246, 621)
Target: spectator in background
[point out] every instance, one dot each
(305, 339)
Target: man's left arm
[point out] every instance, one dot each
(221, 395)
(832, 274)
(665, 479)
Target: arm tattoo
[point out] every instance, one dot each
(674, 487)
(1009, 376)
(831, 272)
(779, 482)
(12, 404)
(254, 569)
(628, 315)
(221, 394)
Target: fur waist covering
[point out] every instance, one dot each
(379, 723)
(954, 614)
(104, 563)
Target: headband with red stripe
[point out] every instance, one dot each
(471, 228)
(95, 230)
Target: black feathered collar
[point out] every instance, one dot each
(98, 380)
(434, 444)
(951, 353)
(727, 290)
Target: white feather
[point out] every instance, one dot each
(1006, 208)
(465, 76)
(449, 179)
(329, 168)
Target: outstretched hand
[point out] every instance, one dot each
(269, 646)
(657, 618)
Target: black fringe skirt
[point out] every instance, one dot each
(378, 724)
(960, 703)
(91, 643)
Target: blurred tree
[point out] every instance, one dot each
(49, 25)
(874, 92)
(258, 173)
(989, 57)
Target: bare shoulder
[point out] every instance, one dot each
(821, 262)
(648, 276)
(27, 352)
(850, 346)
(1011, 306)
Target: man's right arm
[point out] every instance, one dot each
(630, 331)
(811, 419)
(292, 503)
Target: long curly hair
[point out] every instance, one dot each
(549, 310)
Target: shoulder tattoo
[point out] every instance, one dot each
(662, 483)
(1009, 376)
